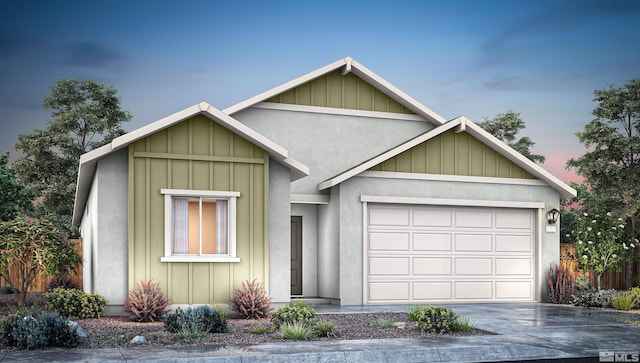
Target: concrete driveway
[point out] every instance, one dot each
(522, 331)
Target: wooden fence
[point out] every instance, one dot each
(42, 281)
(611, 279)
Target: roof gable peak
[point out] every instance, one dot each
(346, 66)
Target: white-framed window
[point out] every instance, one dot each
(199, 226)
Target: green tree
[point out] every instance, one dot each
(31, 246)
(611, 166)
(15, 196)
(505, 127)
(85, 115)
(601, 243)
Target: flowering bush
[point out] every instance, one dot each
(601, 243)
(33, 246)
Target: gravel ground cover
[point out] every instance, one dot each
(108, 332)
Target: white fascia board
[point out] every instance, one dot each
(451, 178)
(452, 202)
(163, 123)
(339, 111)
(285, 86)
(388, 154)
(565, 190)
(309, 199)
(395, 93)
(86, 170)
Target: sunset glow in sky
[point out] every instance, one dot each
(543, 59)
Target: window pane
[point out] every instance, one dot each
(180, 226)
(209, 226)
(222, 222)
(194, 227)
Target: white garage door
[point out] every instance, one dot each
(440, 253)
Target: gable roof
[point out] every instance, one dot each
(88, 160)
(346, 65)
(459, 124)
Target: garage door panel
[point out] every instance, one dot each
(449, 253)
(513, 266)
(432, 290)
(389, 217)
(389, 241)
(475, 290)
(389, 266)
(514, 290)
(514, 219)
(514, 243)
(432, 266)
(474, 266)
(474, 242)
(381, 291)
(476, 219)
(431, 218)
(432, 241)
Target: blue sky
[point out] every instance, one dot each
(475, 58)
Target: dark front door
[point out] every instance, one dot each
(296, 255)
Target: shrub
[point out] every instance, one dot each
(74, 302)
(383, 323)
(47, 330)
(259, 329)
(64, 282)
(624, 301)
(635, 292)
(201, 318)
(251, 301)
(594, 298)
(561, 285)
(583, 282)
(59, 332)
(436, 319)
(325, 329)
(145, 303)
(412, 312)
(295, 330)
(7, 290)
(298, 312)
(463, 324)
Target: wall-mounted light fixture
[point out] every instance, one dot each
(552, 216)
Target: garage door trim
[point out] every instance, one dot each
(537, 229)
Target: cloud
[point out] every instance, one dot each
(91, 55)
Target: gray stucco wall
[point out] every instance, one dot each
(329, 144)
(279, 233)
(329, 258)
(351, 217)
(109, 248)
(309, 214)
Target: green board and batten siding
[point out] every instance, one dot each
(453, 154)
(338, 91)
(197, 154)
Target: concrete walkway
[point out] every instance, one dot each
(522, 331)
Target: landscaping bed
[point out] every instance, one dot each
(108, 332)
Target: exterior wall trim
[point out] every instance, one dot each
(227, 159)
(309, 199)
(453, 202)
(338, 111)
(452, 178)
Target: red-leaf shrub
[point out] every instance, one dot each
(561, 285)
(251, 301)
(145, 303)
